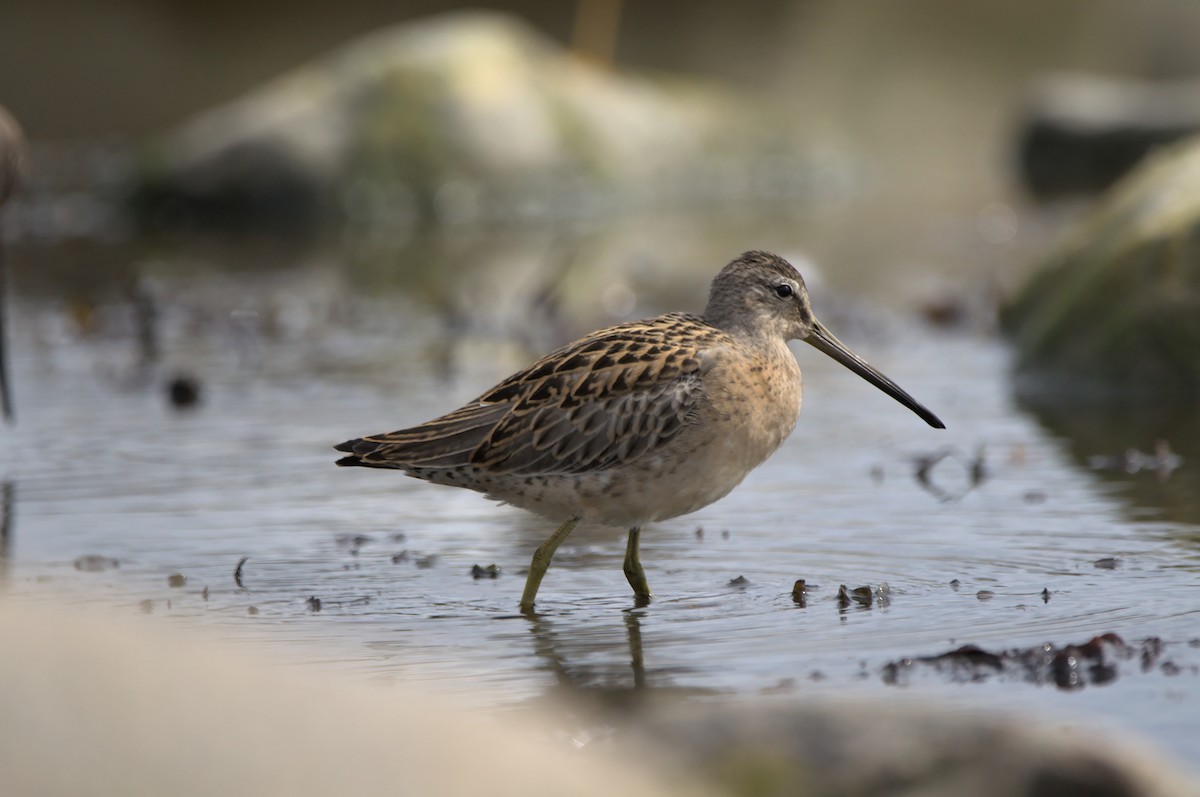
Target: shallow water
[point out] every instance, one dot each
(297, 359)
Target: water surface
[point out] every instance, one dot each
(295, 359)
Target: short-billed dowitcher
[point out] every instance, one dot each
(639, 422)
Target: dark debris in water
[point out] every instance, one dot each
(864, 597)
(237, 571)
(969, 654)
(491, 571)
(176, 580)
(92, 563)
(354, 542)
(739, 582)
(1097, 661)
(800, 593)
(315, 604)
(1107, 563)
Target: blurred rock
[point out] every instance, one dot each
(108, 706)
(893, 750)
(104, 705)
(459, 119)
(1113, 314)
(1083, 132)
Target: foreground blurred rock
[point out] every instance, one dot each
(898, 750)
(466, 118)
(1113, 314)
(98, 706)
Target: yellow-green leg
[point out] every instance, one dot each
(633, 568)
(541, 562)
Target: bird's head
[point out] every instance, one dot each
(761, 296)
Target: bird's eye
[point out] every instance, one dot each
(784, 291)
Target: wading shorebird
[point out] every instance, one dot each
(636, 423)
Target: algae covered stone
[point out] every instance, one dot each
(1113, 314)
(464, 118)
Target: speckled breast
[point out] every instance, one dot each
(752, 402)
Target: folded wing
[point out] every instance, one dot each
(611, 397)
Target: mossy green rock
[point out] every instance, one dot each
(1113, 315)
(466, 118)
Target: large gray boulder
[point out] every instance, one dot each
(1113, 314)
(465, 118)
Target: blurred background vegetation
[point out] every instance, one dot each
(888, 142)
(72, 68)
(925, 97)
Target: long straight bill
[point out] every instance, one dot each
(822, 339)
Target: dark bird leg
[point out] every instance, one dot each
(541, 562)
(634, 573)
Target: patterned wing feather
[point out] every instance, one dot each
(608, 398)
